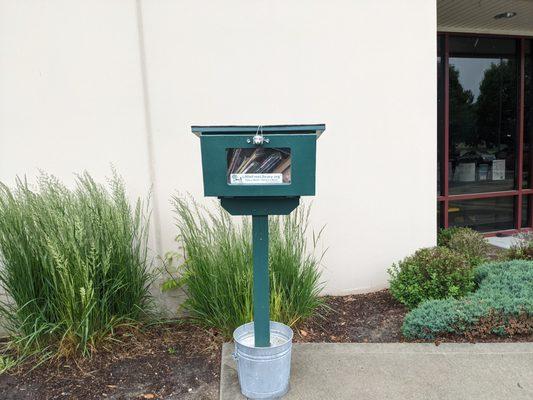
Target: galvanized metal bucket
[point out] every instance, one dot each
(263, 371)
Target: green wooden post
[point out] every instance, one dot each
(261, 282)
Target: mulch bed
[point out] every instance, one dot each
(183, 361)
(158, 362)
(369, 317)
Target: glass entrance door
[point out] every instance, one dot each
(484, 132)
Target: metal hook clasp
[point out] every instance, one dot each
(258, 138)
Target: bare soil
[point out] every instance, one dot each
(369, 317)
(181, 361)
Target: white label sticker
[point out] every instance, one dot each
(498, 170)
(256, 179)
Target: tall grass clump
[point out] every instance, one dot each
(217, 271)
(73, 263)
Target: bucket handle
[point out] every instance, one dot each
(235, 356)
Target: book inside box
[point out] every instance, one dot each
(259, 166)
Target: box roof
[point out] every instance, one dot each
(252, 129)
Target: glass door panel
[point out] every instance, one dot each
(483, 93)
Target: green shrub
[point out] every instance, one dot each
(445, 234)
(502, 305)
(470, 244)
(522, 249)
(217, 271)
(432, 273)
(74, 263)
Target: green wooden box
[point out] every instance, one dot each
(259, 161)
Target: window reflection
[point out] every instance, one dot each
(484, 215)
(483, 114)
(525, 211)
(528, 115)
(440, 222)
(440, 110)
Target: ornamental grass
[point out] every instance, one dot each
(74, 264)
(217, 271)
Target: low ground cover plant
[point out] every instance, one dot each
(217, 271)
(467, 242)
(502, 305)
(74, 263)
(431, 273)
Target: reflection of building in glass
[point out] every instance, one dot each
(483, 110)
(483, 156)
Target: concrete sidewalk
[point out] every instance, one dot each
(368, 371)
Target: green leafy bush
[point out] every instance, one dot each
(217, 270)
(522, 249)
(502, 305)
(74, 263)
(471, 244)
(467, 242)
(445, 234)
(432, 273)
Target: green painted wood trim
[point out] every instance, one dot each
(244, 129)
(259, 206)
(261, 282)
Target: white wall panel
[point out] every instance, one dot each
(71, 98)
(70, 90)
(366, 69)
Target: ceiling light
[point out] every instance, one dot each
(508, 14)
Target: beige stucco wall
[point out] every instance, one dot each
(72, 97)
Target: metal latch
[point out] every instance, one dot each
(258, 138)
